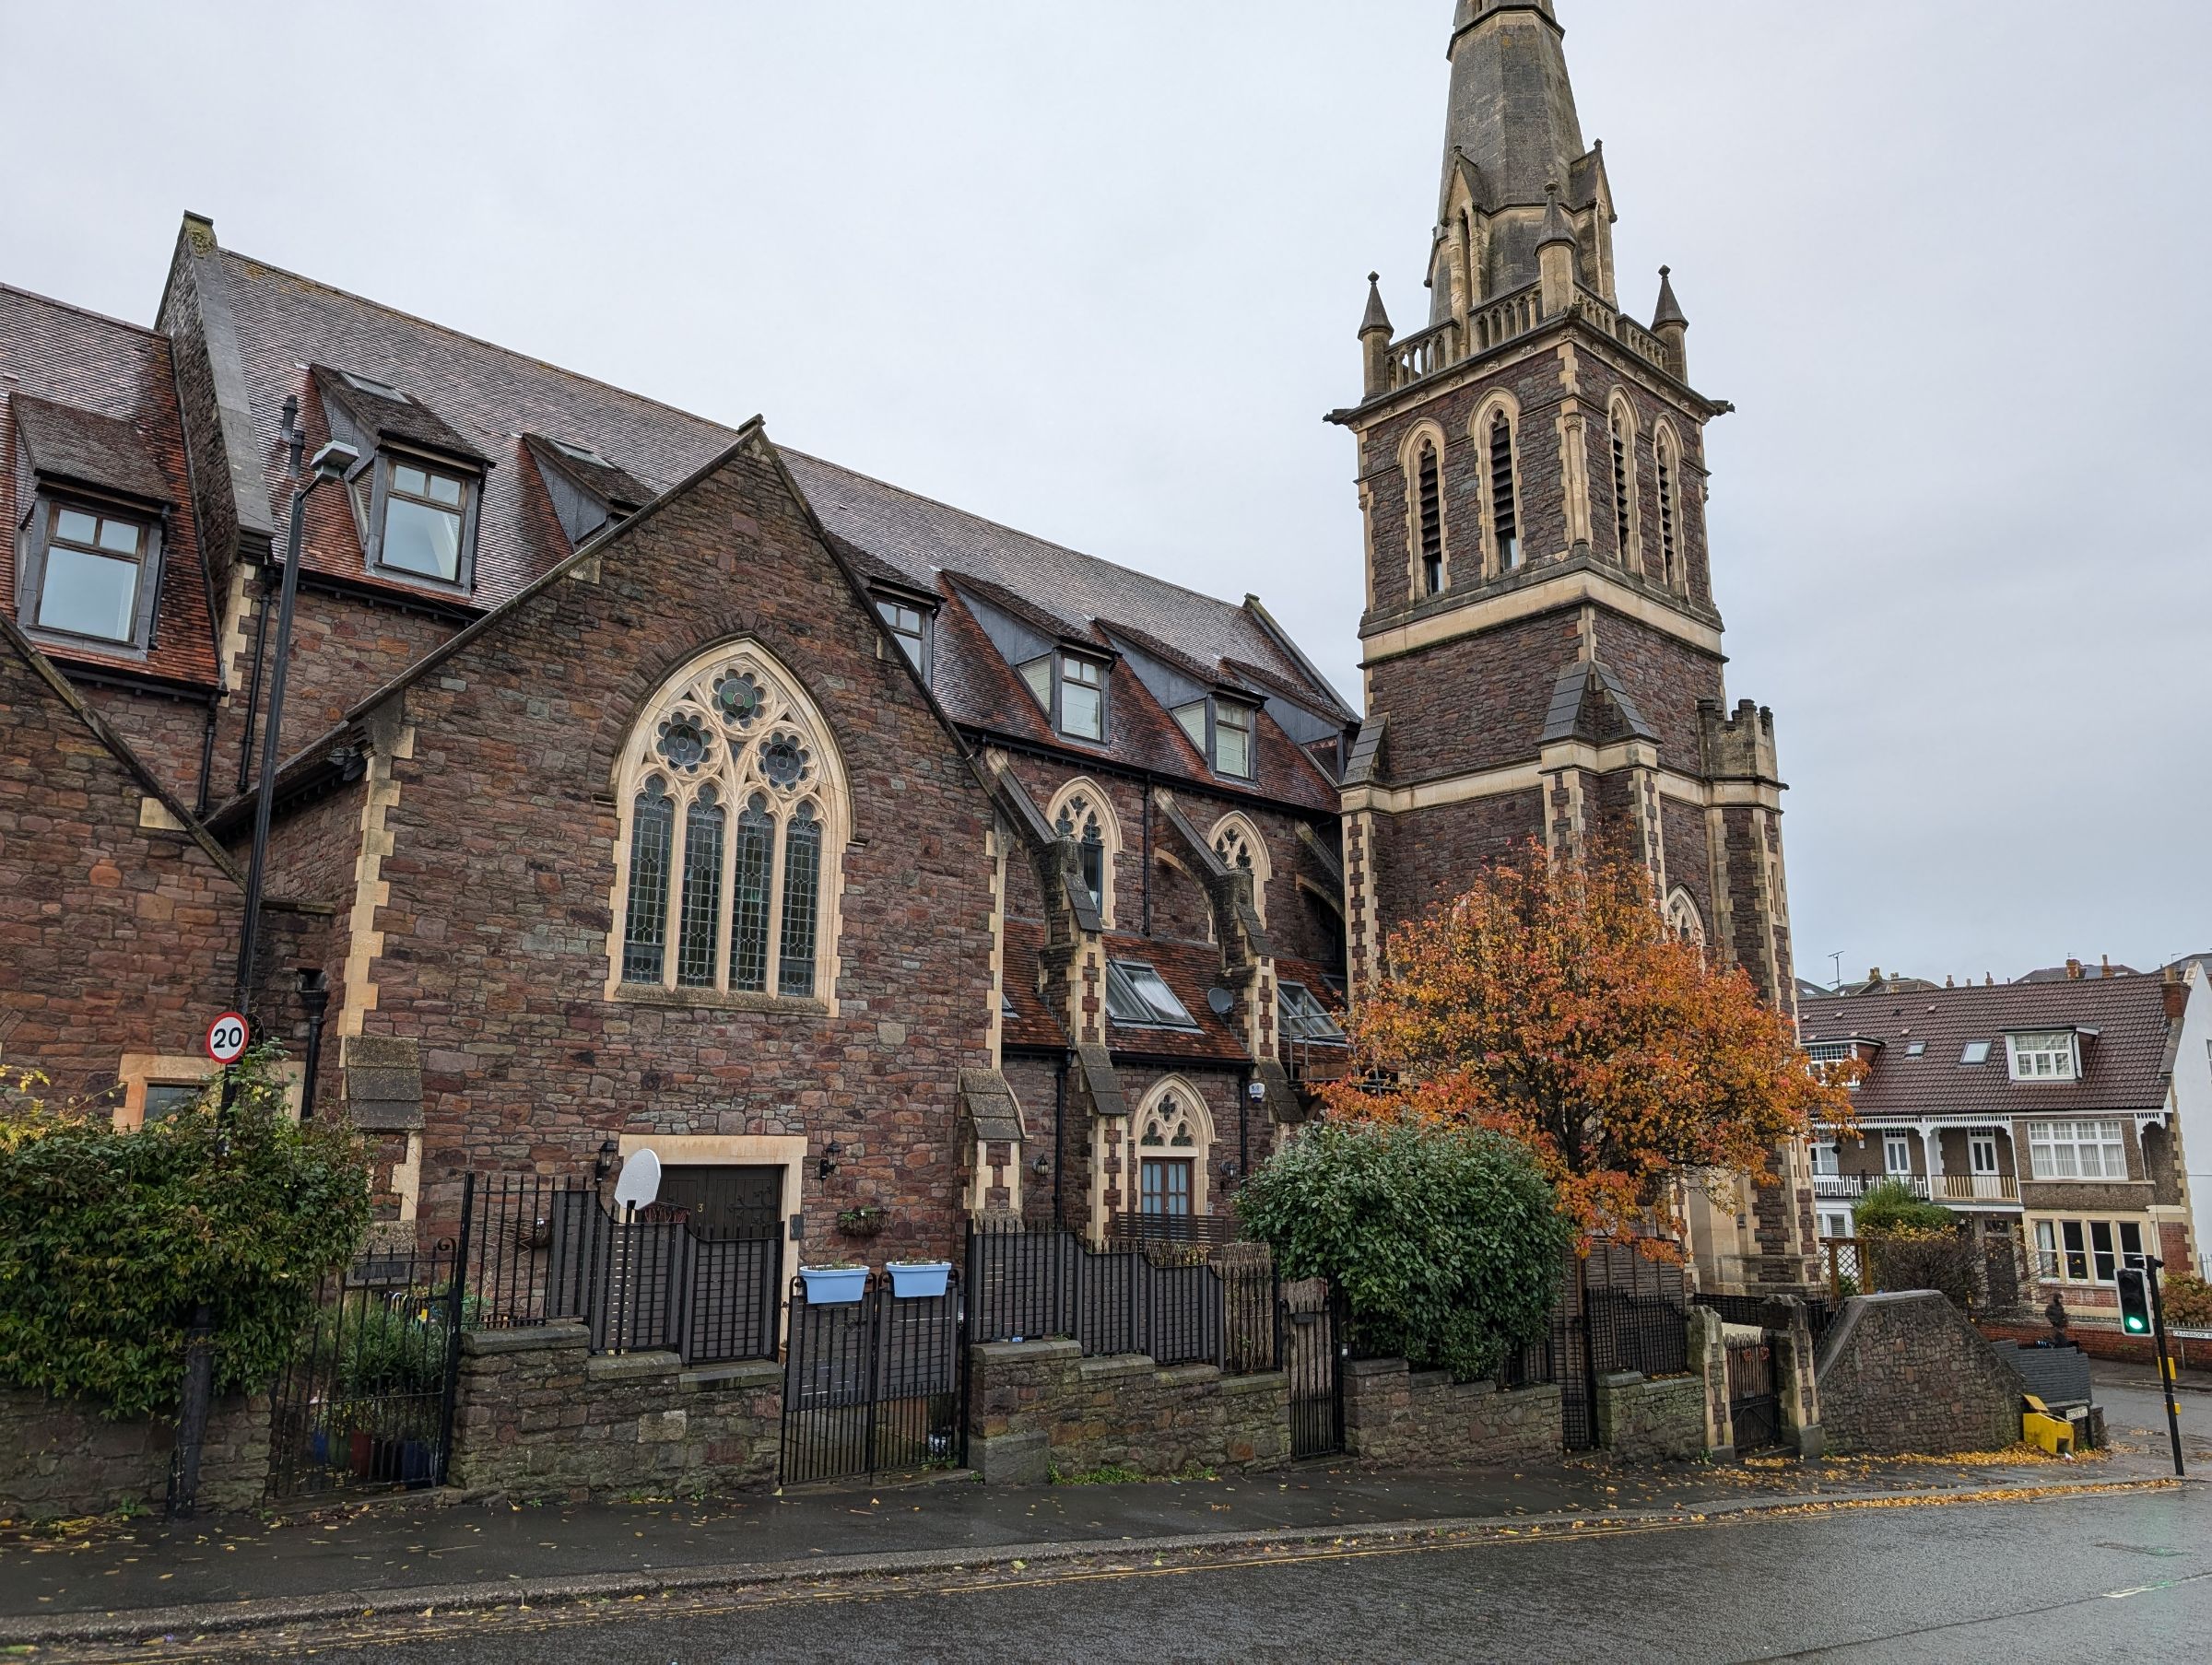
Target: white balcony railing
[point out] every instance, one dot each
(1858, 1185)
(1978, 1188)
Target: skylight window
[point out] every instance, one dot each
(1136, 994)
(1303, 1017)
(1916, 1049)
(368, 384)
(582, 453)
(1977, 1052)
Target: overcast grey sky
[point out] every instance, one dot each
(1095, 270)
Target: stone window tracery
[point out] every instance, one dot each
(1237, 842)
(732, 808)
(1081, 812)
(1683, 920)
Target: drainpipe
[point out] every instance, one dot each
(315, 994)
(1059, 1150)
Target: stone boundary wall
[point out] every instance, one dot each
(536, 1416)
(60, 1458)
(1908, 1373)
(1651, 1419)
(1402, 1418)
(1037, 1408)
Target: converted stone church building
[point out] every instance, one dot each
(647, 785)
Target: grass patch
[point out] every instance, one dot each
(1116, 1473)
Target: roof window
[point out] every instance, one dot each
(1138, 995)
(1975, 1051)
(582, 453)
(90, 574)
(368, 384)
(1303, 1017)
(1223, 731)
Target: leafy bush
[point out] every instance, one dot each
(1910, 1257)
(397, 1346)
(1891, 1207)
(1446, 1243)
(2188, 1300)
(109, 1240)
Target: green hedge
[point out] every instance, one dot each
(1446, 1245)
(109, 1240)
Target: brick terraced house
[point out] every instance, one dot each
(2051, 1113)
(647, 785)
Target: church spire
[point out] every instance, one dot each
(1509, 132)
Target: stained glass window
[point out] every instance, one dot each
(703, 891)
(749, 898)
(645, 931)
(734, 827)
(802, 894)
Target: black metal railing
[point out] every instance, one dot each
(1029, 1284)
(1209, 1231)
(366, 1400)
(873, 1385)
(546, 1248)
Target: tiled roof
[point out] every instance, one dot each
(487, 398)
(2123, 1064)
(1032, 1024)
(484, 396)
(66, 444)
(921, 537)
(65, 357)
(1190, 969)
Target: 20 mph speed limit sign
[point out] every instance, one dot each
(227, 1037)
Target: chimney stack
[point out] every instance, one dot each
(2073, 971)
(2176, 995)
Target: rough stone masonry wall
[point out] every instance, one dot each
(537, 1417)
(1041, 1407)
(60, 1458)
(1651, 1419)
(1907, 1372)
(1397, 1417)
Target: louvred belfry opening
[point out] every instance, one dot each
(1433, 523)
(1505, 521)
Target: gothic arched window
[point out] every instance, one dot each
(1081, 812)
(1175, 1136)
(1669, 480)
(1684, 922)
(734, 809)
(1621, 421)
(1505, 517)
(1428, 492)
(1237, 842)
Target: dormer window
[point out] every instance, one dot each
(909, 626)
(1082, 697)
(2053, 1055)
(93, 577)
(1072, 689)
(1223, 731)
(415, 496)
(423, 522)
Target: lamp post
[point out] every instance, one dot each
(331, 463)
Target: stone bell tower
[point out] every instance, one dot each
(1541, 644)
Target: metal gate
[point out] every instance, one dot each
(1311, 1346)
(1754, 1400)
(876, 1385)
(367, 1402)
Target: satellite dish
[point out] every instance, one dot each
(1221, 1000)
(641, 1181)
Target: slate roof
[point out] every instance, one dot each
(2124, 1065)
(498, 405)
(66, 444)
(94, 380)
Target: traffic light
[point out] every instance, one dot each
(2134, 1300)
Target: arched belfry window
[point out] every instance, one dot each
(1081, 812)
(1505, 514)
(733, 811)
(1684, 922)
(1670, 484)
(1428, 494)
(1621, 421)
(1237, 842)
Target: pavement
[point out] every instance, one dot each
(423, 1554)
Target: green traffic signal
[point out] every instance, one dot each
(2134, 1300)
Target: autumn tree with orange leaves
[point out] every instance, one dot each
(1550, 1003)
